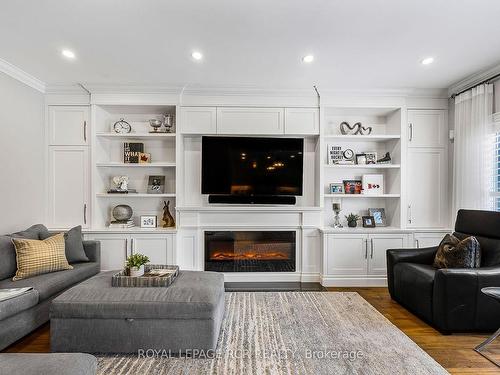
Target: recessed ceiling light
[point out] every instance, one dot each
(308, 59)
(68, 54)
(197, 55)
(427, 61)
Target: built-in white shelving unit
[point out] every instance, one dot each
(386, 136)
(107, 160)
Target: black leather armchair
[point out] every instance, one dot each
(451, 299)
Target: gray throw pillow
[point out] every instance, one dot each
(455, 253)
(74, 245)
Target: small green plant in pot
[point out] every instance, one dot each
(135, 264)
(352, 220)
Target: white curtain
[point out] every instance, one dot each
(473, 149)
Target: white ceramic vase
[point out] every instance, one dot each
(136, 271)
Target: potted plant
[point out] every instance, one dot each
(352, 220)
(135, 264)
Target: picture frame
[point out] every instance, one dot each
(352, 186)
(368, 222)
(373, 184)
(361, 159)
(156, 185)
(144, 158)
(371, 157)
(336, 188)
(378, 216)
(335, 154)
(149, 221)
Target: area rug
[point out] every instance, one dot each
(292, 333)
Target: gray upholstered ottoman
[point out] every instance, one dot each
(53, 364)
(95, 317)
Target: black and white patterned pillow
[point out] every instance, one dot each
(453, 253)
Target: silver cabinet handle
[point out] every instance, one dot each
(417, 242)
(132, 246)
(409, 213)
(371, 251)
(126, 248)
(85, 131)
(85, 213)
(410, 137)
(366, 249)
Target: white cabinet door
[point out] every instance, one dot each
(250, 121)
(159, 248)
(198, 120)
(427, 128)
(346, 255)
(114, 250)
(69, 125)
(301, 121)
(378, 245)
(423, 240)
(427, 188)
(68, 186)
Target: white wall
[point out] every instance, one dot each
(22, 183)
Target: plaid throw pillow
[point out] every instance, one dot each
(36, 257)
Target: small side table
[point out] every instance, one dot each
(493, 292)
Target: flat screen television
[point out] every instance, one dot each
(248, 166)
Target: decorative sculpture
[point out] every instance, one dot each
(167, 220)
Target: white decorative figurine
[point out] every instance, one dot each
(121, 182)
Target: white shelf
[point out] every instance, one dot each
(135, 195)
(360, 229)
(361, 196)
(130, 230)
(363, 166)
(371, 137)
(136, 165)
(136, 135)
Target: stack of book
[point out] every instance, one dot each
(121, 224)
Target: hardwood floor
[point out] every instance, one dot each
(453, 352)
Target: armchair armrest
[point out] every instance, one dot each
(93, 250)
(395, 256)
(458, 303)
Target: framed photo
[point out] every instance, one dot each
(373, 184)
(148, 221)
(144, 158)
(352, 186)
(360, 159)
(336, 188)
(335, 154)
(156, 184)
(379, 216)
(368, 222)
(371, 157)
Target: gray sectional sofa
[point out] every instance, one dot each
(21, 315)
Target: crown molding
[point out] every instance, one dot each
(100, 88)
(20, 75)
(473, 79)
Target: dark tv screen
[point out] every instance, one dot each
(252, 166)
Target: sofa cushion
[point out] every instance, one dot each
(48, 363)
(413, 287)
(193, 295)
(8, 264)
(74, 245)
(17, 304)
(50, 284)
(36, 257)
(490, 249)
(455, 253)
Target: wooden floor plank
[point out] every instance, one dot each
(454, 352)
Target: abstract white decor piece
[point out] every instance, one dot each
(373, 184)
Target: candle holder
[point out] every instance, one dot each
(336, 209)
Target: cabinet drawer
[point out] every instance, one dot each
(198, 120)
(302, 121)
(250, 121)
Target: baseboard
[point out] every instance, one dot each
(261, 277)
(353, 282)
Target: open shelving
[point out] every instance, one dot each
(387, 125)
(108, 162)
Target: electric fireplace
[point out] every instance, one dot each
(250, 251)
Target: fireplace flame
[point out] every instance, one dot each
(249, 255)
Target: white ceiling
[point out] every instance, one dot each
(357, 44)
